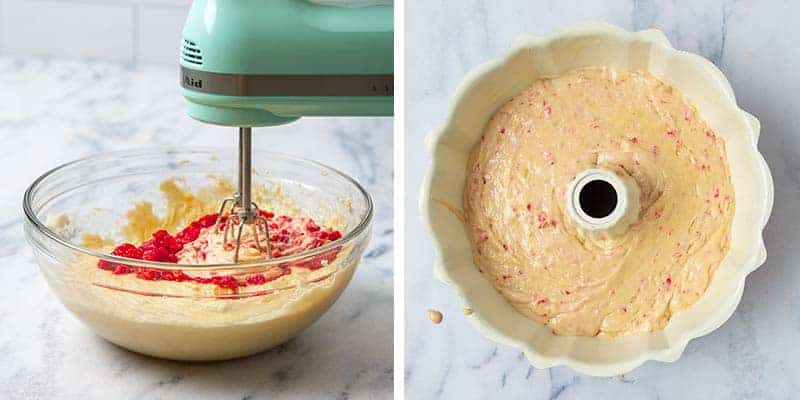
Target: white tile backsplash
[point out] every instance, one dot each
(183, 3)
(67, 29)
(129, 31)
(159, 33)
(1, 27)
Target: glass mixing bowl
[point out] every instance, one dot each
(180, 319)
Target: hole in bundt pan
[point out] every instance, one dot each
(598, 199)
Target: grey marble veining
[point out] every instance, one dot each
(54, 111)
(755, 354)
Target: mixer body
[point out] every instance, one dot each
(252, 63)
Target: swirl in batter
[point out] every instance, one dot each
(637, 126)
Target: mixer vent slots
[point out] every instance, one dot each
(191, 53)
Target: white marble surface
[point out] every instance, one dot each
(55, 111)
(755, 354)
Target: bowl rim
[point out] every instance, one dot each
(37, 223)
(426, 202)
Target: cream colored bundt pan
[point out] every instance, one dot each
(491, 85)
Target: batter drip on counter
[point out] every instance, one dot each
(637, 126)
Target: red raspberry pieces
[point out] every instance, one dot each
(208, 221)
(122, 269)
(127, 250)
(312, 227)
(177, 276)
(330, 235)
(156, 254)
(318, 261)
(226, 281)
(223, 281)
(256, 279)
(163, 247)
(267, 214)
(148, 274)
(103, 264)
(188, 235)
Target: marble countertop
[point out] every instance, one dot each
(755, 354)
(55, 111)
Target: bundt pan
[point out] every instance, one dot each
(490, 86)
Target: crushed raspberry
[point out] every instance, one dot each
(127, 250)
(162, 247)
(223, 281)
(103, 264)
(318, 261)
(148, 274)
(285, 239)
(208, 221)
(267, 214)
(334, 235)
(544, 222)
(256, 279)
(122, 269)
(176, 276)
(188, 235)
(312, 227)
(330, 235)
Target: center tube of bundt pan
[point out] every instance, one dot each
(601, 203)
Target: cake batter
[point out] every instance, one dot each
(637, 126)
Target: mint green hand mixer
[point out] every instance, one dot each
(253, 63)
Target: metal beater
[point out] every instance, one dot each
(241, 210)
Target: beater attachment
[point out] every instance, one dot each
(239, 211)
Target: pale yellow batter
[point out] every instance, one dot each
(635, 125)
(193, 321)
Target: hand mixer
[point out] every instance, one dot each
(253, 63)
